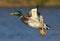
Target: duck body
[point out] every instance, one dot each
(31, 22)
(34, 24)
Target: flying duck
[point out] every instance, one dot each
(34, 19)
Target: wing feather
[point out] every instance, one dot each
(33, 14)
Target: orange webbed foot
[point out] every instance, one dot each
(42, 32)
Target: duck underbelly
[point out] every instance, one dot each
(34, 24)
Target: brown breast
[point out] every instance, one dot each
(24, 19)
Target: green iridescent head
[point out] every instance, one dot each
(18, 13)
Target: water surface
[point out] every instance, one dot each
(13, 29)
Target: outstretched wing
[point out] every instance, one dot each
(33, 14)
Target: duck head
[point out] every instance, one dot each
(17, 13)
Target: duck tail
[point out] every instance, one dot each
(48, 27)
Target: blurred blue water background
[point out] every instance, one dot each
(13, 29)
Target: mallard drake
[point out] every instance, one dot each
(34, 20)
